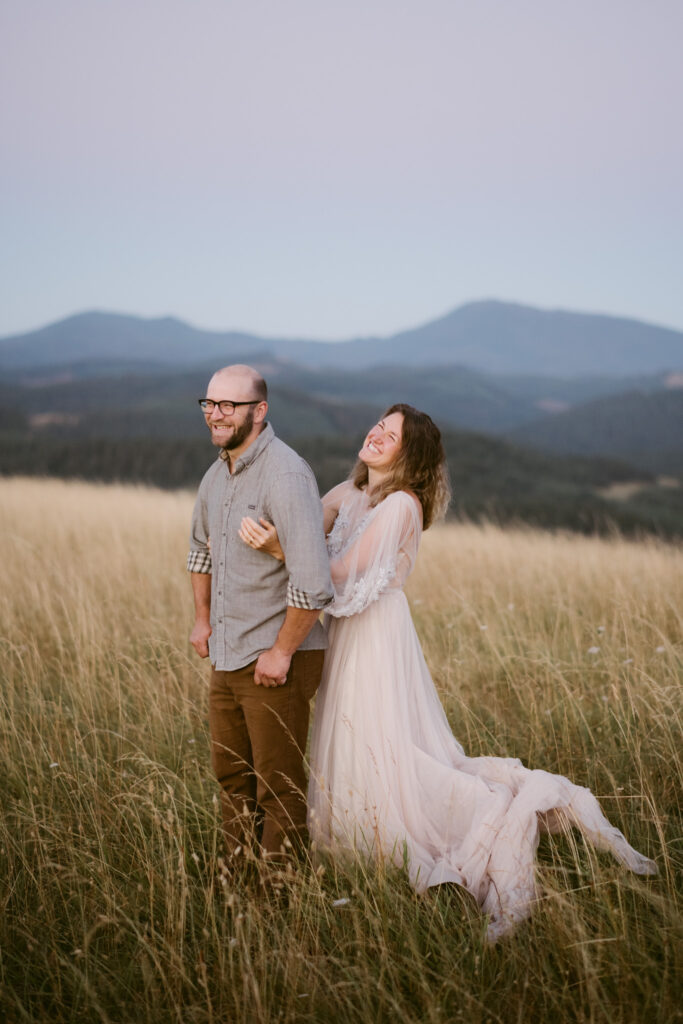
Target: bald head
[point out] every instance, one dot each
(245, 379)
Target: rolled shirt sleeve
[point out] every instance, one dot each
(199, 556)
(298, 517)
(199, 561)
(300, 599)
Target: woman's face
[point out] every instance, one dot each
(383, 442)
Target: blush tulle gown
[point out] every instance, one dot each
(388, 778)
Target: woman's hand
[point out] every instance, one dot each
(261, 537)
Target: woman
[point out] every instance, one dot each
(388, 778)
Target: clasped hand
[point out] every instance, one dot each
(272, 667)
(261, 536)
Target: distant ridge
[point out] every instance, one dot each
(490, 336)
(644, 429)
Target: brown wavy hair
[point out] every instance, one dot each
(419, 466)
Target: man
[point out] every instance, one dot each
(257, 618)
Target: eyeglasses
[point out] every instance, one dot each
(226, 407)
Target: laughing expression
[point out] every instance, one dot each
(383, 442)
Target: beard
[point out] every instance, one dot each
(241, 433)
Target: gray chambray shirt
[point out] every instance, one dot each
(250, 590)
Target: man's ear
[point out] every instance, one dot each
(260, 412)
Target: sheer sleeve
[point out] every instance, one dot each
(375, 554)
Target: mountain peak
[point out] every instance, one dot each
(487, 334)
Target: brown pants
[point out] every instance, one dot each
(258, 740)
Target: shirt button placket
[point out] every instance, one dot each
(223, 555)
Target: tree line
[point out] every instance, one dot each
(491, 479)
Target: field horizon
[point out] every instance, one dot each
(563, 650)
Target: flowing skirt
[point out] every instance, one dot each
(390, 781)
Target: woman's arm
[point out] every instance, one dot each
(378, 555)
(332, 502)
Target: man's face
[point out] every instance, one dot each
(230, 431)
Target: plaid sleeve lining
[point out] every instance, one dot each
(300, 599)
(199, 561)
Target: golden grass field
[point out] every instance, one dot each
(562, 650)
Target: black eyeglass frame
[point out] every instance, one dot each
(204, 402)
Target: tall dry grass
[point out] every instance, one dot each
(564, 651)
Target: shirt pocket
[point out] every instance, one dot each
(255, 510)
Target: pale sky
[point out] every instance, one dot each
(317, 169)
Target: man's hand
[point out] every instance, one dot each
(272, 667)
(199, 637)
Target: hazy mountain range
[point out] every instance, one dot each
(490, 336)
(110, 396)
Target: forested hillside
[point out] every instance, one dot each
(645, 428)
(491, 479)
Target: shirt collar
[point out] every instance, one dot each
(254, 450)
